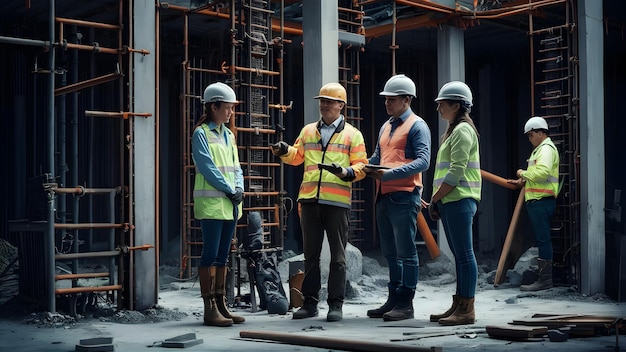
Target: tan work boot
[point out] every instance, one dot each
(212, 315)
(455, 304)
(545, 277)
(464, 313)
(220, 296)
(296, 298)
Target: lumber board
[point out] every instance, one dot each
(508, 241)
(334, 343)
(427, 236)
(516, 331)
(495, 179)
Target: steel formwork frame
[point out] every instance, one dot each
(554, 83)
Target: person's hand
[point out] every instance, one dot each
(280, 148)
(433, 212)
(424, 203)
(236, 197)
(518, 182)
(518, 173)
(334, 168)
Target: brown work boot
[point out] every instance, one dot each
(464, 313)
(455, 303)
(220, 296)
(212, 315)
(545, 277)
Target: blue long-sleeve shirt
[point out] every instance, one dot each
(204, 161)
(417, 148)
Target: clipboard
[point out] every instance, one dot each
(377, 167)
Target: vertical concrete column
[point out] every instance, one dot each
(450, 66)
(592, 158)
(143, 159)
(320, 25)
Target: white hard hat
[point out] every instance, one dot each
(535, 123)
(399, 85)
(456, 90)
(219, 91)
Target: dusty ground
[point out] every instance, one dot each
(179, 312)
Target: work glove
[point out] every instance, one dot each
(334, 168)
(236, 197)
(433, 212)
(280, 148)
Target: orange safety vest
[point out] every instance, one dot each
(392, 154)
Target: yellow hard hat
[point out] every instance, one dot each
(332, 91)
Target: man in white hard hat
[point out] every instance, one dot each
(541, 187)
(404, 148)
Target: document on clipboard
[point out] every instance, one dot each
(377, 167)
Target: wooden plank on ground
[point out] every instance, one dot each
(516, 331)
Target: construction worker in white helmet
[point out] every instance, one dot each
(217, 195)
(333, 153)
(457, 186)
(541, 187)
(403, 147)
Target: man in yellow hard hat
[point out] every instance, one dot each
(333, 153)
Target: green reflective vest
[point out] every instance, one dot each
(542, 173)
(458, 164)
(209, 203)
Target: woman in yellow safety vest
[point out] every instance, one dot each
(456, 193)
(218, 193)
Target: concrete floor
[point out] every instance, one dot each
(494, 306)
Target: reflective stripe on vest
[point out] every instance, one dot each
(321, 185)
(470, 183)
(393, 154)
(548, 187)
(210, 203)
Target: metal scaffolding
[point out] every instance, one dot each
(554, 58)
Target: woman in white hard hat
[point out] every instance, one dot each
(218, 193)
(456, 193)
(541, 187)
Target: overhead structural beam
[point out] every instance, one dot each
(452, 15)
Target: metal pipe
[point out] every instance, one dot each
(23, 41)
(92, 225)
(87, 83)
(74, 121)
(90, 24)
(51, 174)
(80, 190)
(64, 291)
(80, 276)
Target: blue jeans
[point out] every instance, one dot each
(216, 238)
(457, 218)
(540, 212)
(396, 218)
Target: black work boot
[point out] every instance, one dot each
(391, 302)
(308, 309)
(334, 311)
(404, 306)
